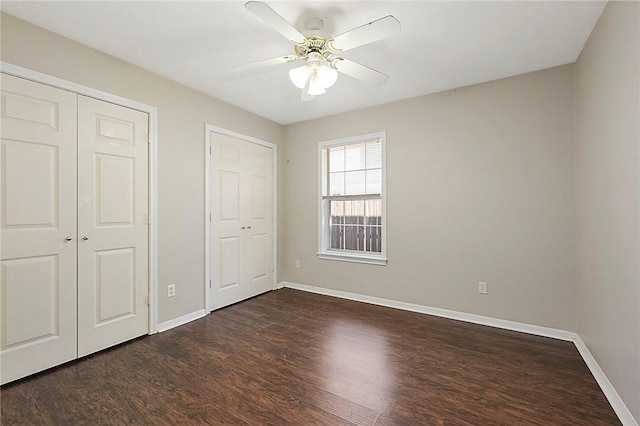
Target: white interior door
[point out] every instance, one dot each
(113, 230)
(38, 223)
(242, 219)
(226, 261)
(259, 235)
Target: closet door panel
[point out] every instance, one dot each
(227, 275)
(38, 227)
(260, 218)
(112, 227)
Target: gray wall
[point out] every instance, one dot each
(608, 197)
(479, 188)
(182, 114)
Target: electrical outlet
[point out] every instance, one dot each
(297, 264)
(482, 287)
(171, 290)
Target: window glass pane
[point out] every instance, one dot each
(374, 212)
(374, 238)
(355, 183)
(336, 181)
(354, 237)
(335, 237)
(374, 181)
(374, 155)
(355, 157)
(354, 212)
(337, 212)
(336, 159)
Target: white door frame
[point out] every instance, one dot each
(207, 204)
(39, 77)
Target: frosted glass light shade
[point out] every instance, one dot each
(299, 76)
(315, 88)
(326, 76)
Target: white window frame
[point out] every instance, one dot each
(324, 252)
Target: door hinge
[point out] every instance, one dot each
(209, 217)
(148, 138)
(209, 283)
(209, 150)
(147, 219)
(147, 300)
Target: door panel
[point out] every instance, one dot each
(226, 264)
(259, 197)
(112, 225)
(31, 282)
(38, 206)
(242, 220)
(229, 190)
(115, 284)
(116, 192)
(259, 243)
(229, 262)
(260, 238)
(37, 214)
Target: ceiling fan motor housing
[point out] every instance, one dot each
(318, 46)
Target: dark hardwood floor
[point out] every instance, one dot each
(289, 357)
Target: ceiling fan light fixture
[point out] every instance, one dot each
(315, 74)
(319, 50)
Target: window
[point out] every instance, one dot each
(352, 199)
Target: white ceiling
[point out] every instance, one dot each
(443, 44)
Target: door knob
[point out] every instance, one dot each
(85, 238)
(242, 227)
(68, 239)
(248, 227)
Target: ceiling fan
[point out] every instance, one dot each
(320, 52)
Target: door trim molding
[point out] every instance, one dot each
(209, 128)
(79, 89)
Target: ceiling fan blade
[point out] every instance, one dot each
(269, 16)
(361, 72)
(251, 67)
(368, 33)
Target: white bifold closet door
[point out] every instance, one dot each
(242, 219)
(74, 233)
(113, 231)
(38, 242)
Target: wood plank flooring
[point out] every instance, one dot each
(294, 358)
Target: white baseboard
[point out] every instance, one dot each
(445, 313)
(168, 325)
(625, 416)
(621, 410)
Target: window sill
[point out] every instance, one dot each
(352, 257)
